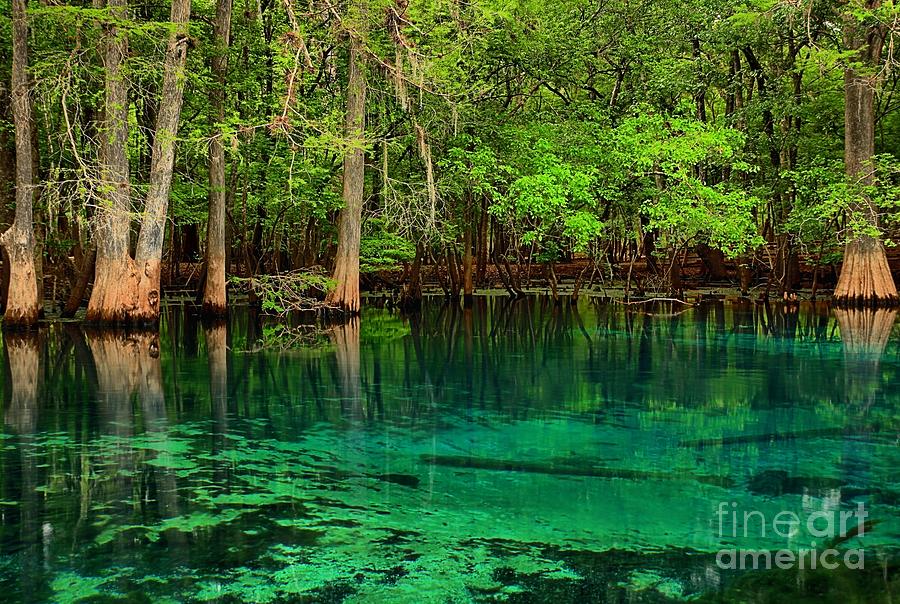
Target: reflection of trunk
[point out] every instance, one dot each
(217, 353)
(214, 284)
(127, 364)
(155, 420)
(124, 362)
(23, 376)
(346, 348)
(864, 333)
(345, 294)
(23, 305)
(865, 278)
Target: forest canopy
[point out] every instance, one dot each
(210, 143)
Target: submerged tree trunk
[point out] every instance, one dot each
(23, 307)
(345, 294)
(214, 296)
(865, 278)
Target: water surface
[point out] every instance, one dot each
(512, 451)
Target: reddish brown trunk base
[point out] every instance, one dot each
(214, 296)
(125, 293)
(865, 279)
(345, 295)
(23, 307)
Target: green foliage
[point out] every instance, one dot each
(670, 155)
(833, 207)
(382, 250)
(564, 128)
(551, 200)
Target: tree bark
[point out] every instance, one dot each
(23, 306)
(345, 294)
(214, 294)
(126, 290)
(411, 296)
(713, 262)
(148, 254)
(115, 273)
(865, 278)
(468, 265)
(87, 269)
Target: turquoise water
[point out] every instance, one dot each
(516, 452)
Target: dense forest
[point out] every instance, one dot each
(297, 150)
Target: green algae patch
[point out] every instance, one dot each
(70, 588)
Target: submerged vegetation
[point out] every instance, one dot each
(390, 144)
(444, 456)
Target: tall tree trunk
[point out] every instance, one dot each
(865, 278)
(214, 297)
(345, 294)
(23, 303)
(115, 275)
(7, 159)
(482, 242)
(126, 290)
(148, 255)
(468, 264)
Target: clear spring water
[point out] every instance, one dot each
(518, 452)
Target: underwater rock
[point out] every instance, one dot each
(778, 482)
(406, 480)
(501, 465)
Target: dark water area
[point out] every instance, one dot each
(511, 451)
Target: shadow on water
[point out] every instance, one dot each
(560, 452)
